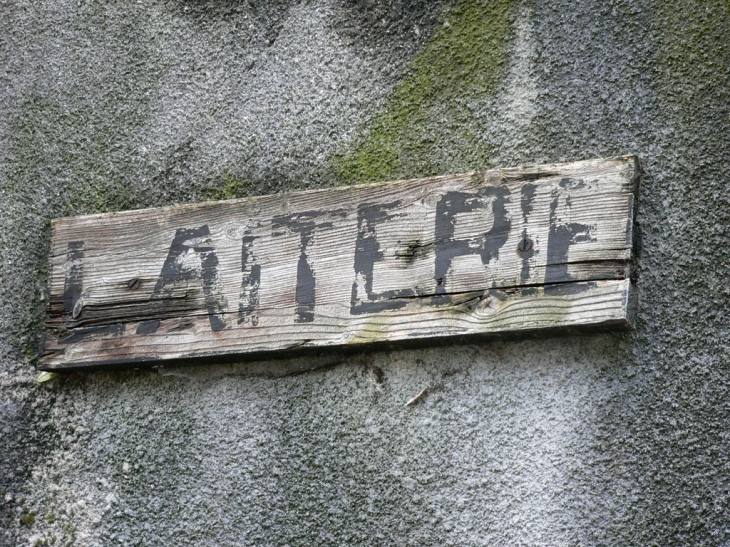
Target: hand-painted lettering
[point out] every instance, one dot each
(367, 253)
(176, 269)
(248, 301)
(562, 235)
(485, 245)
(526, 199)
(494, 252)
(304, 224)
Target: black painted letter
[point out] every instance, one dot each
(248, 302)
(486, 246)
(367, 253)
(174, 271)
(562, 236)
(304, 225)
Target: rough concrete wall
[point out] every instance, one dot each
(615, 439)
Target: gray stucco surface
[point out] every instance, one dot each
(605, 439)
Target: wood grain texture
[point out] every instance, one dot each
(493, 252)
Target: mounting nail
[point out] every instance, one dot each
(524, 245)
(133, 284)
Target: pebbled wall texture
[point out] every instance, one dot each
(578, 440)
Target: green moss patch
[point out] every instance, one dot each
(28, 519)
(433, 107)
(228, 187)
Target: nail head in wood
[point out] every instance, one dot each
(524, 245)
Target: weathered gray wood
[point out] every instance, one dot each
(507, 250)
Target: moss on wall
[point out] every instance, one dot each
(465, 59)
(227, 187)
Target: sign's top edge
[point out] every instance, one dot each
(497, 174)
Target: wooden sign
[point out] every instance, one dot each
(486, 253)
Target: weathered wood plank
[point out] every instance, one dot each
(507, 250)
